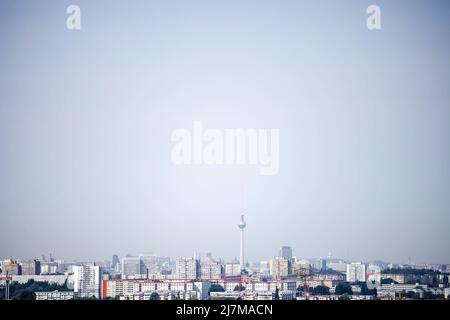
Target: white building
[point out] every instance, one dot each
(447, 293)
(55, 295)
(241, 227)
(356, 271)
(279, 267)
(86, 281)
(187, 269)
(392, 290)
(212, 270)
(232, 269)
(374, 273)
(339, 266)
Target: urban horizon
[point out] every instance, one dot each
(224, 150)
(199, 255)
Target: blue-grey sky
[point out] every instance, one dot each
(86, 118)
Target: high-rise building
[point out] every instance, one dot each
(187, 269)
(114, 261)
(232, 269)
(241, 226)
(51, 268)
(131, 266)
(86, 281)
(301, 268)
(356, 271)
(285, 252)
(149, 263)
(212, 270)
(279, 267)
(31, 267)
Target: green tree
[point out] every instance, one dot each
(344, 288)
(23, 294)
(215, 288)
(321, 290)
(388, 281)
(155, 296)
(411, 295)
(345, 296)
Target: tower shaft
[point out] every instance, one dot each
(241, 256)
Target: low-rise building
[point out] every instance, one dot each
(55, 295)
(59, 279)
(141, 289)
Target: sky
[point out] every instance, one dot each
(86, 118)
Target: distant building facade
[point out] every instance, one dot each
(31, 267)
(232, 269)
(187, 268)
(212, 270)
(279, 267)
(356, 271)
(131, 266)
(11, 267)
(55, 295)
(87, 281)
(285, 253)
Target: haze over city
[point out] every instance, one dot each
(86, 119)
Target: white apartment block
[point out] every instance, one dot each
(59, 279)
(149, 264)
(55, 295)
(141, 289)
(232, 269)
(212, 270)
(86, 281)
(356, 271)
(279, 267)
(187, 268)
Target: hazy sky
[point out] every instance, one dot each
(86, 118)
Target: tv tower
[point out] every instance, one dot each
(241, 226)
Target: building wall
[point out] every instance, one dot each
(279, 267)
(87, 281)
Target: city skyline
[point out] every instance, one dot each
(87, 117)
